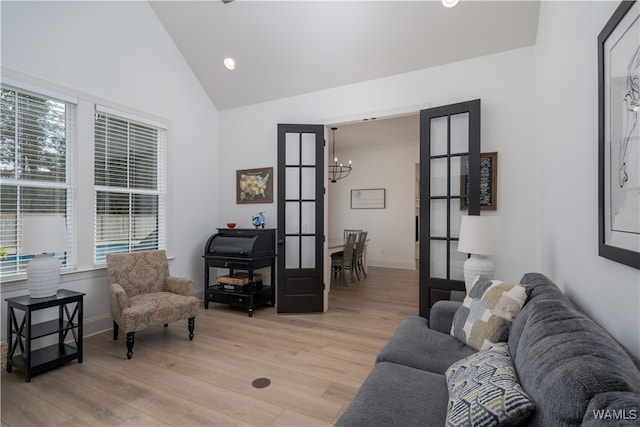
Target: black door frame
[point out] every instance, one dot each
(432, 289)
(301, 290)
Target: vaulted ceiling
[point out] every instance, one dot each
(286, 48)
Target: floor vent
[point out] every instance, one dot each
(261, 382)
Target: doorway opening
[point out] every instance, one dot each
(384, 152)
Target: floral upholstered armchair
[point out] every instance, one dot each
(143, 294)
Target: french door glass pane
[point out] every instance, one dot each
(308, 252)
(457, 262)
(308, 183)
(438, 218)
(308, 149)
(439, 178)
(292, 220)
(308, 218)
(292, 149)
(456, 214)
(460, 133)
(293, 183)
(455, 176)
(292, 250)
(438, 127)
(438, 258)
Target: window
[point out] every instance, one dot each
(129, 178)
(36, 139)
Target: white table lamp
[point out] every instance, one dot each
(479, 236)
(43, 236)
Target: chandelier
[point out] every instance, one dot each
(337, 171)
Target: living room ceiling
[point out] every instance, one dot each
(287, 48)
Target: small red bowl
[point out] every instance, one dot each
(231, 224)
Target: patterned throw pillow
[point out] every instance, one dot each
(487, 313)
(484, 390)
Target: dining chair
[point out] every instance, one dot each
(358, 259)
(343, 261)
(348, 231)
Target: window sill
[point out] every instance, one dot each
(19, 282)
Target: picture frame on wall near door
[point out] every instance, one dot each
(619, 136)
(488, 182)
(254, 185)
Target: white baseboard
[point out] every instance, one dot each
(386, 264)
(96, 325)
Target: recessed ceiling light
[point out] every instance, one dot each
(449, 3)
(230, 63)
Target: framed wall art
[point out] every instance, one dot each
(368, 198)
(619, 136)
(254, 185)
(488, 182)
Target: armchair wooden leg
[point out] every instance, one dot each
(130, 338)
(115, 330)
(191, 327)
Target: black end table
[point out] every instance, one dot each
(21, 333)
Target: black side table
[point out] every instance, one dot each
(20, 334)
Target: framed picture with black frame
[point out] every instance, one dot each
(488, 182)
(254, 185)
(619, 136)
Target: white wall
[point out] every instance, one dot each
(119, 51)
(392, 229)
(547, 183)
(567, 169)
(505, 84)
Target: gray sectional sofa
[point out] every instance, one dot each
(573, 370)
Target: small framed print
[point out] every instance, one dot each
(369, 198)
(488, 182)
(254, 185)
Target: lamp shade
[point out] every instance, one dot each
(479, 235)
(43, 234)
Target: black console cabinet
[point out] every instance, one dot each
(241, 249)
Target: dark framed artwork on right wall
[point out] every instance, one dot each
(619, 136)
(488, 182)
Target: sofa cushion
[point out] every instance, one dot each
(397, 395)
(564, 359)
(484, 390)
(487, 312)
(540, 287)
(441, 315)
(155, 309)
(414, 344)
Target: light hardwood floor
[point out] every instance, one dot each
(316, 363)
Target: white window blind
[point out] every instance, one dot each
(129, 179)
(36, 140)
